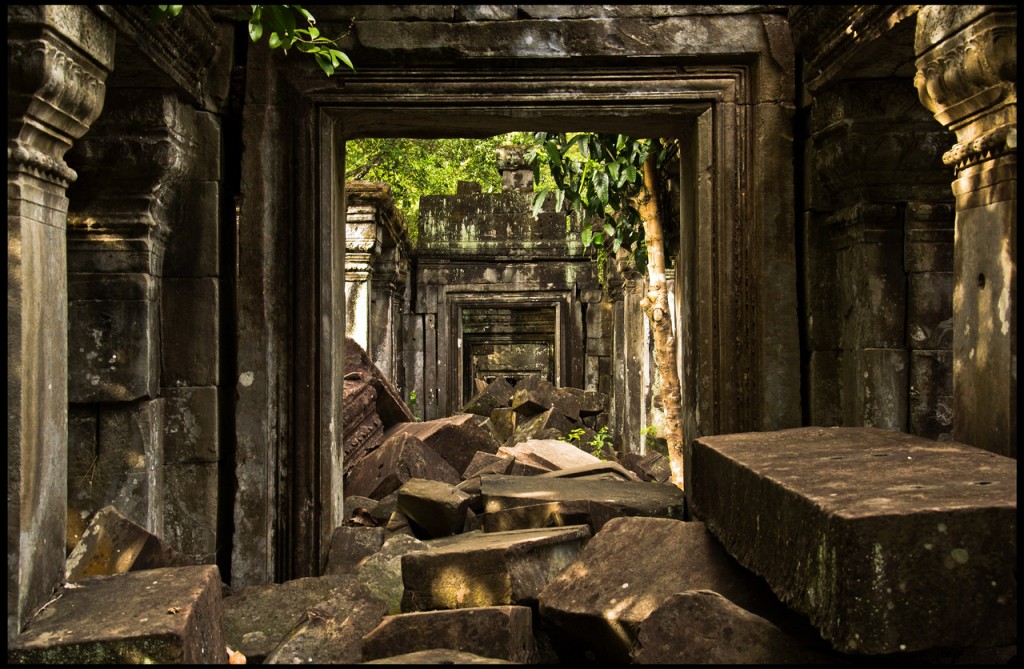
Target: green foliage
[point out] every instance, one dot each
(599, 441)
(416, 167)
(282, 25)
(412, 404)
(650, 434)
(599, 175)
(573, 436)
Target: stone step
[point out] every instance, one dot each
(888, 542)
(630, 498)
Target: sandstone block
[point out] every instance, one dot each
(627, 497)
(549, 454)
(456, 438)
(437, 509)
(169, 615)
(503, 632)
(887, 528)
(488, 569)
(393, 463)
(351, 546)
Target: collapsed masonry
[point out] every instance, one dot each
(461, 546)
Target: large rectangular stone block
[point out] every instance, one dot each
(190, 517)
(156, 616)
(875, 387)
(112, 350)
(190, 353)
(888, 542)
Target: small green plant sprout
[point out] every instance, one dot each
(412, 404)
(650, 434)
(574, 436)
(599, 441)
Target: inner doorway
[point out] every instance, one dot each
(507, 342)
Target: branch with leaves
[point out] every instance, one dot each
(281, 24)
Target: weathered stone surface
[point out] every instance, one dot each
(332, 629)
(456, 438)
(549, 454)
(550, 514)
(435, 508)
(364, 430)
(890, 528)
(621, 577)
(382, 571)
(502, 632)
(258, 618)
(534, 395)
(628, 497)
(190, 356)
(503, 420)
(498, 393)
(546, 425)
(113, 350)
(488, 569)
(350, 548)
(487, 463)
(396, 461)
(389, 404)
(112, 544)
(438, 656)
(160, 616)
(703, 627)
(600, 470)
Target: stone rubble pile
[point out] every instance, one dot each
(481, 538)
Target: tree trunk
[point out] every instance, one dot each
(656, 307)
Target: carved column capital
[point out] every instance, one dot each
(58, 58)
(966, 76)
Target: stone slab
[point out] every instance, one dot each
(629, 497)
(488, 568)
(455, 438)
(503, 632)
(350, 548)
(549, 454)
(158, 616)
(438, 656)
(434, 508)
(871, 533)
(392, 464)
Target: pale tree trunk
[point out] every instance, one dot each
(656, 307)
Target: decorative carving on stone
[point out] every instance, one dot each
(967, 79)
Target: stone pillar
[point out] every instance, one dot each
(516, 175)
(58, 58)
(966, 76)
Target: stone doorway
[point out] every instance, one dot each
(737, 344)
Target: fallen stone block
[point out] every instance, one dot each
(590, 402)
(548, 424)
(456, 438)
(503, 420)
(397, 460)
(488, 569)
(112, 544)
(438, 656)
(331, 631)
(257, 618)
(162, 616)
(503, 632)
(873, 534)
(533, 395)
(628, 498)
(487, 463)
(703, 627)
(631, 567)
(363, 429)
(351, 546)
(549, 454)
(600, 470)
(389, 403)
(382, 571)
(498, 393)
(436, 509)
(550, 514)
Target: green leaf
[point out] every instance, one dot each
(587, 236)
(274, 41)
(609, 229)
(324, 63)
(538, 201)
(340, 55)
(559, 199)
(613, 171)
(255, 29)
(601, 181)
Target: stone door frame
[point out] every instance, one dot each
(738, 345)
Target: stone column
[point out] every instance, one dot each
(966, 76)
(58, 58)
